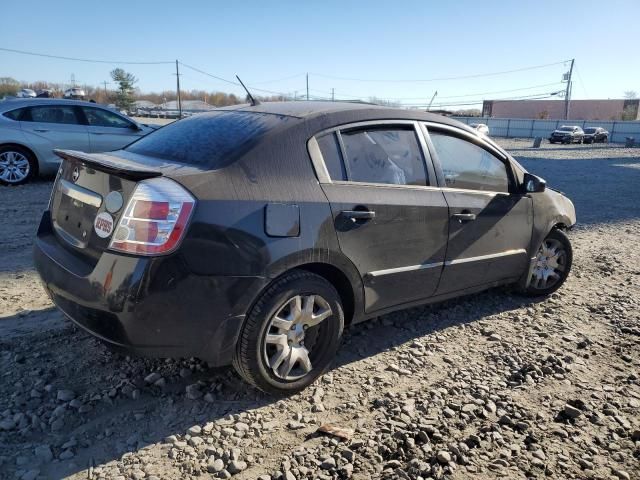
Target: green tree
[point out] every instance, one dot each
(124, 95)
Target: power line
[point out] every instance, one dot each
(450, 96)
(231, 82)
(460, 77)
(87, 60)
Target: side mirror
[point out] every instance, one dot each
(135, 127)
(533, 183)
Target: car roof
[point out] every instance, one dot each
(339, 112)
(14, 103)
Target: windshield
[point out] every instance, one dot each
(209, 140)
(566, 129)
(589, 130)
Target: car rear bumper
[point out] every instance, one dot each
(153, 306)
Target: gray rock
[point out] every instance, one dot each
(152, 377)
(30, 475)
(621, 474)
(571, 412)
(193, 391)
(443, 456)
(328, 463)
(215, 466)
(7, 424)
(65, 395)
(195, 431)
(236, 466)
(66, 455)
(44, 453)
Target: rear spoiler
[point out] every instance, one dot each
(109, 164)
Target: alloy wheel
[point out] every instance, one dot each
(291, 335)
(551, 262)
(14, 167)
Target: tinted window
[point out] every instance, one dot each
(210, 140)
(384, 155)
(53, 114)
(565, 129)
(14, 114)
(466, 165)
(590, 130)
(332, 157)
(102, 118)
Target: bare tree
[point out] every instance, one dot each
(630, 94)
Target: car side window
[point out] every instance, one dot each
(14, 114)
(384, 155)
(468, 166)
(330, 149)
(64, 114)
(103, 118)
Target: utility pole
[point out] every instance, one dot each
(567, 94)
(307, 87)
(333, 94)
(105, 90)
(178, 90)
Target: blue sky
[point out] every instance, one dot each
(278, 42)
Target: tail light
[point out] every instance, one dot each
(155, 218)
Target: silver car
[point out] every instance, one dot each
(30, 129)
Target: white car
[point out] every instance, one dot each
(30, 129)
(26, 93)
(480, 127)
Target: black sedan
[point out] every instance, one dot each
(596, 135)
(567, 134)
(254, 235)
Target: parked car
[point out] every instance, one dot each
(26, 93)
(596, 135)
(75, 93)
(480, 127)
(253, 235)
(567, 134)
(31, 129)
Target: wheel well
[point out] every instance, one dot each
(341, 283)
(28, 150)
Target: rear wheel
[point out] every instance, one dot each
(553, 263)
(291, 335)
(17, 165)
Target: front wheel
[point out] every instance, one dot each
(291, 335)
(17, 165)
(552, 264)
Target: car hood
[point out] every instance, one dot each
(562, 132)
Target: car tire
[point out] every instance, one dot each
(17, 165)
(558, 245)
(279, 327)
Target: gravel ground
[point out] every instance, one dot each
(492, 385)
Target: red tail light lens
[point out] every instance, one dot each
(155, 218)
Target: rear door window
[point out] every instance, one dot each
(210, 140)
(63, 114)
(97, 117)
(468, 166)
(390, 155)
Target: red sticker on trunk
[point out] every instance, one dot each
(103, 225)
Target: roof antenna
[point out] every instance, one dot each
(254, 102)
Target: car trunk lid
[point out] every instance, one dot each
(89, 196)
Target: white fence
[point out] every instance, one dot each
(527, 128)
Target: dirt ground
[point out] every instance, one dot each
(491, 385)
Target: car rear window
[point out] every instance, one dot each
(209, 140)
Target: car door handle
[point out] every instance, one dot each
(359, 214)
(41, 130)
(464, 217)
